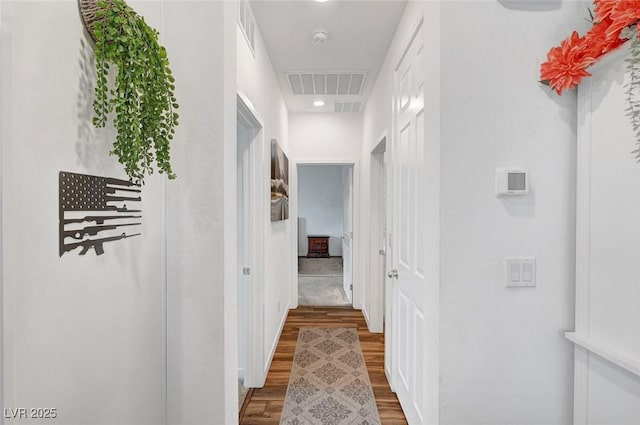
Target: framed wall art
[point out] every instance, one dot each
(279, 183)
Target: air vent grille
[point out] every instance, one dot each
(322, 84)
(347, 106)
(247, 23)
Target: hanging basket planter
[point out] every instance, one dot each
(88, 9)
(141, 101)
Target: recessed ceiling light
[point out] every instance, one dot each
(318, 103)
(320, 1)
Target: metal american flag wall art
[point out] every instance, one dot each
(95, 210)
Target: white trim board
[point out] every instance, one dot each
(583, 224)
(374, 314)
(622, 360)
(2, 406)
(255, 308)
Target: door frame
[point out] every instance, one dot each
(254, 375)
(347, 222)
(2, 156)
(357, 294)
(375, 313)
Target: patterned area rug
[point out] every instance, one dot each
(329, 383)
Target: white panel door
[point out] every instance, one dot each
(347, 234)
(408, 233)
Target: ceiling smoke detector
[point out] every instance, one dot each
(320, 36)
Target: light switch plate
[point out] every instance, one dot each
(520, 272)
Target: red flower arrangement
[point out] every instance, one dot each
(601, 40)
(623, 14)
(604, 7)
(567, 64)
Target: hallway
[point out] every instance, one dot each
(493, 235)
(264, 405)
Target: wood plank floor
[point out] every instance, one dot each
(265, 404)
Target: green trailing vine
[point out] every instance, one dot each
(143, 97)
(633, 86)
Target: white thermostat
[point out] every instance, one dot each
(511, 181)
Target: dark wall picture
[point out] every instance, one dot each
(95, 210)
(279, 183)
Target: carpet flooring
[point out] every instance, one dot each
(326, 291)
(320, 266)
(320, 282)
(329, 382)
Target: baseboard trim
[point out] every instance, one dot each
(371, 329)
(274, 345)
(245, 403)
(365, 313)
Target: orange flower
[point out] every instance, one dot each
(566, 64)
(603, 8)
(623, 14)
(597, 40)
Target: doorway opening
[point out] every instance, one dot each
(250, 218)
(377, 301)
(325, 234)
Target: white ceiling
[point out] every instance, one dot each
(359, 35)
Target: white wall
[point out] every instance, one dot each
(257, 81)
(503, 357)
(320, 206)
(201, 219)
(94, 336)
(317, 135)
(83, 334)
(330, 137)
(2, 405)
(607, 274)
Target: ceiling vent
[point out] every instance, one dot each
(248, 24)
(324, 84)
(347, 106)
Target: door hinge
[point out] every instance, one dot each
(246, 271)
(351, 287)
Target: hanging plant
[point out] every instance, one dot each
(142, 99)
(614, 23)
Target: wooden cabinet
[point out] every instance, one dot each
(318, 246)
